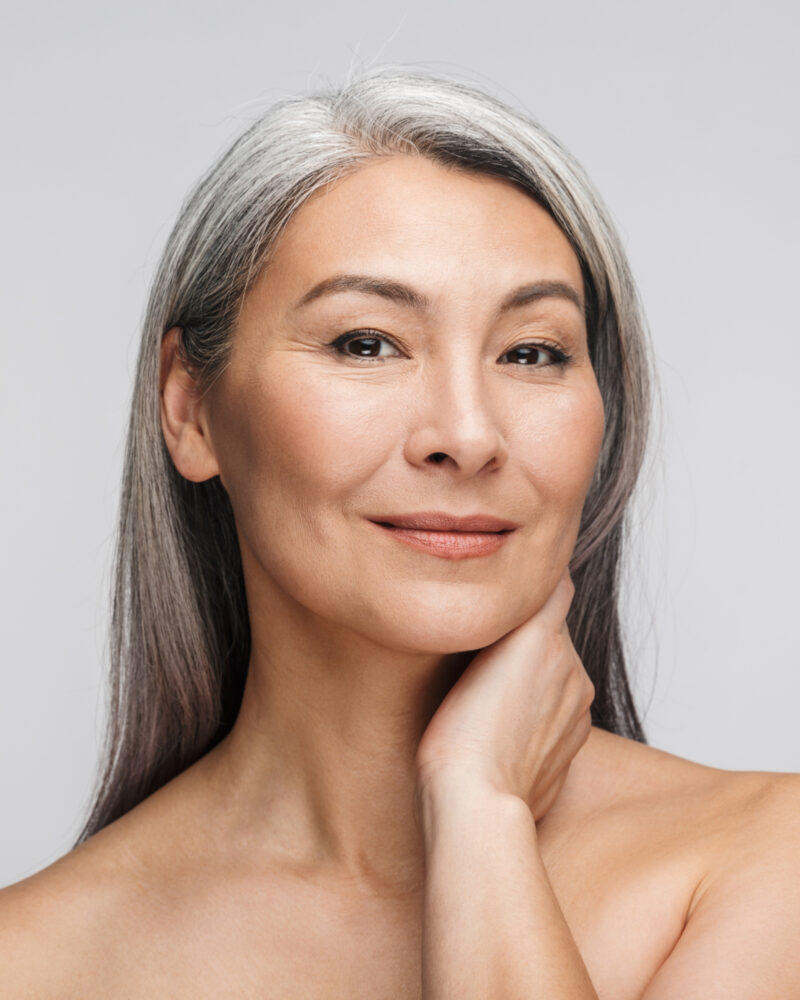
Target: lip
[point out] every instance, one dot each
(454, 538)
(434, 520)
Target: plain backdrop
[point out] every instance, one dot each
(684, 114)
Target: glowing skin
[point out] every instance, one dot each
(546, 859)
(311, 444)
(357, 637)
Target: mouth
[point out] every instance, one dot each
(440, 521)
(472, 536)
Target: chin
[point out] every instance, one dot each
(437, 630)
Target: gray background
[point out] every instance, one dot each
(684, 114)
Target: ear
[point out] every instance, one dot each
(182, 418)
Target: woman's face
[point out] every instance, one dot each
(315, 442)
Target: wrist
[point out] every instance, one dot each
(468, 776)
(452, 793)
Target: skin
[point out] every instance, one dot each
(395, 814)
(323, 583)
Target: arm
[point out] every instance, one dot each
(491, 762)
(492, 927)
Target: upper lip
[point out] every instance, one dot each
(435, 520)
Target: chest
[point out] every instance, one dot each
(261, 938)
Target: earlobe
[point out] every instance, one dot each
(185, 431)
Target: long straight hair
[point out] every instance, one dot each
(180, 635)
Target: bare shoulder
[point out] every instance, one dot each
(694, 802)
(67, 926)
(718, 849)
(53, 924)
(648, 817)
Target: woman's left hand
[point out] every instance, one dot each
(518, 714)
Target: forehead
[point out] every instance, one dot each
(442, 229)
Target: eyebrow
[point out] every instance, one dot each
(409, 297)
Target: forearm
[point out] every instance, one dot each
(492, 925)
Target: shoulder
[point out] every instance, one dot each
(67, 930)
(617, 777)
(729, 839)
(53, 925)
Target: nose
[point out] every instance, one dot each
(454, 422)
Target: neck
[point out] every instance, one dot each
(320, 764)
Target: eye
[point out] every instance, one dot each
(538, 355)
(367, 343)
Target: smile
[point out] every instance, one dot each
(448, 544)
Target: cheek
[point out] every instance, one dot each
(563, 435)
(289, 449)
(296, 455)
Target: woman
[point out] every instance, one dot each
(371, 733)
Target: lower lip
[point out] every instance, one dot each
(449, 544)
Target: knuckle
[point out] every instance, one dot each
(583, 688)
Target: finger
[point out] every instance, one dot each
(551, 617)
(553, 613)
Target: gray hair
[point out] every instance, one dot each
(180, 636)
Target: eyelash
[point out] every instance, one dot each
(337, 346)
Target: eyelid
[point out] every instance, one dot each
(364, 334)
(559, 355)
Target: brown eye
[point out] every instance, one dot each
(363, 344)
(537, 355)
(366, 345)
